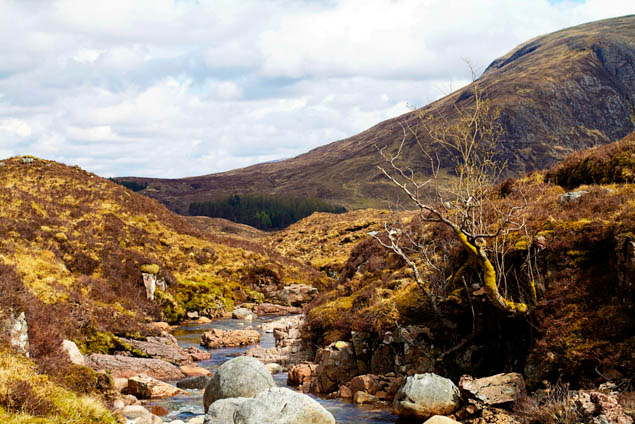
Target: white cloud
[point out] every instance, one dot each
(15, 127)
(182, 87)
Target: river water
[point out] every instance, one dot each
(186, 407)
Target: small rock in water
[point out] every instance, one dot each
(159, 410)
(363, 397)
(193, 371)
(197, 382)
(274, 368)
(135, 411)
(242, 313)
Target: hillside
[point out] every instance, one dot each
(557, 93)
(74, 247)
(581, 327)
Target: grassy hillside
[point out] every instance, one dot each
(583, 323)
(558, 93)
(74, 245)
(325, 241)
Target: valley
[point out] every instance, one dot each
(483, 272)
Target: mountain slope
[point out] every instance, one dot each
(73, 246)
(582, 326)
(557, 93)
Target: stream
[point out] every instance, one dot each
(186, 407)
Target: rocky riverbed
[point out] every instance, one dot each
(190, 407)
(253, 360)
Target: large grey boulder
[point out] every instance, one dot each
(238, 377)
(222, 411)
(425, 395)
(280, 405)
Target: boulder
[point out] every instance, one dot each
(145, 387)
(120, 384)
(238, 377)
(222, 411)
(496, 389)
(296, 294)
(361, 397)
(274, 368)
(368, 383)
(272, 309)
(196, 382)
(198, 355)
(242, 313)
(72, 352)
(440, 419)
(425, 395)
(229, 338)
(127, 366)
(572, 196)
(280, 405)
(301, 373)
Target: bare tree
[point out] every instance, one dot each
(467, 202)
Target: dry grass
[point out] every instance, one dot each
(29, 397)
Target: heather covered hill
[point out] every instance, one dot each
(74, 247)
(325, 240)
(558, 93)
(581, 329)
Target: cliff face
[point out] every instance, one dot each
(557, 93)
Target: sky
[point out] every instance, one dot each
(175, 88)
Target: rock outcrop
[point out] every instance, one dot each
(15, 325)
(165, 347)
(216, 338)
(425, 395)
(126, 366)
(336, 366)
(238, 377)
(290, 349)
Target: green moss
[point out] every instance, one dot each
(106, 343)
(150, 268)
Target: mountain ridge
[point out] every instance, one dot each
(557, 93)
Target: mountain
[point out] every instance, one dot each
(557, 93)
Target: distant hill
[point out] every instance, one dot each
(558, 93)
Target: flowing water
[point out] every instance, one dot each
(186, 407)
